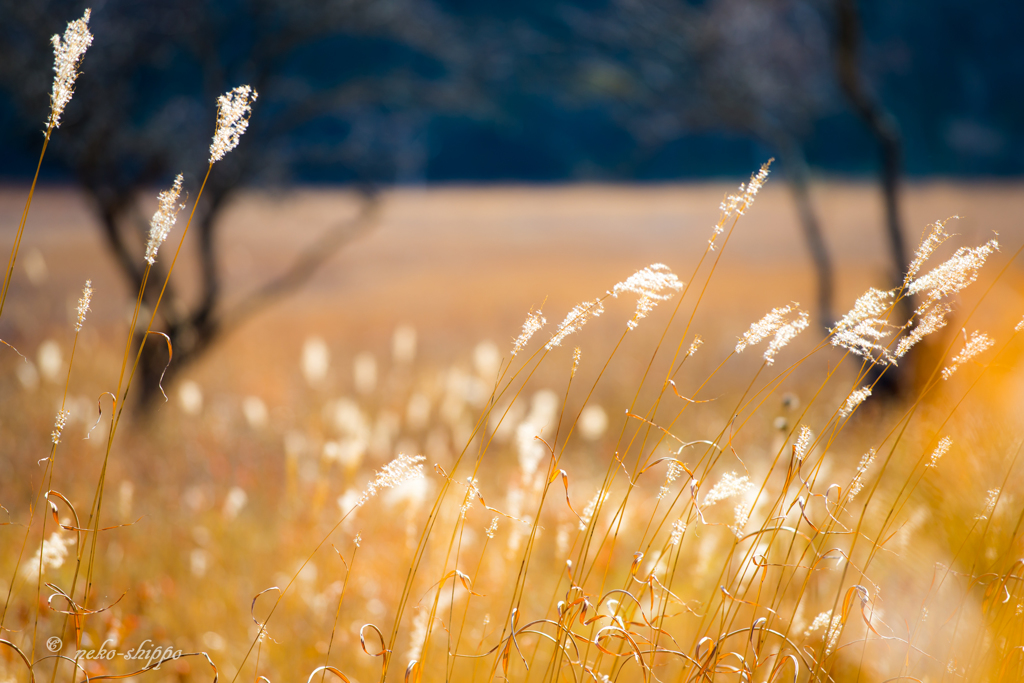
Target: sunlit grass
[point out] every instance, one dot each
(753, 508)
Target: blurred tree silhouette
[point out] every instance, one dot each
(357, 76)
(767, 69)
(353, 85)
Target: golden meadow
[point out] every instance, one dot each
(608, 496)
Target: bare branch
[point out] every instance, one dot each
(307, 263)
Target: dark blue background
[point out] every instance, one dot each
(951, 71)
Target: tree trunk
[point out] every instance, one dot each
(798, 176)
(884, 128)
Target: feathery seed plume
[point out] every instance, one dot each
(833, 626)
(576, 355)
(534, 321)
(83, 305)
(164, 218)
(728, 486)
(419, 634)
(673, 472)
(775, 322)
(233, 110)
(735, 205)
(990, 504)
(67, 56)
(492, 527)
(697, 343)
(675, 468)
(858, 340)
(865, 325)
(58, 425)
(51, 555)
(932, 319)
(654, 283)
(855, 399)
(940, 450)
(858, 479)
(872, 305)
(955, 274)
(397, 472)
(803, 442)
(760, 330)
(678, 529)
(784, 335)
(575, 320)
(741, 515)
(472, 493)
(936, 236)
(973, 346)
(819, 621)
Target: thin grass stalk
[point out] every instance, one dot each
(21, 224)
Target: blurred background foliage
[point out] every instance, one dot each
(422, 91)
(370, 93)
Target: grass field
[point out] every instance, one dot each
(747, 559)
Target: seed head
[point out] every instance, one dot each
(855, 399)
(819, 621)
(697, 343)
(472, 493)
(492, 527)
(83, 305)
(784, 335)
(728, 486)
(678, 529)
(858, 479)
(735, 205)
(833, 626)
(233, 110)
(973, 346)
(932, 317)
(58, 425)
(866, 324)
(51, 555)
(775, 322)
(534, 321)
(741, 515)
(575, 320)
(940, 450)
(163, 219)
(990, 504)
(872, 305)
(654, 283)
(803, 442)
(419, 634)
(955, 274)
(67, 56)
(936, 236)
(397, 472)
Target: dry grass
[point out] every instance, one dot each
(637, 508)
(189, 569)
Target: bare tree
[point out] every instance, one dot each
(758, 68)
(880, 122)
(765, 68)
(885, 130)
(359, 69)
